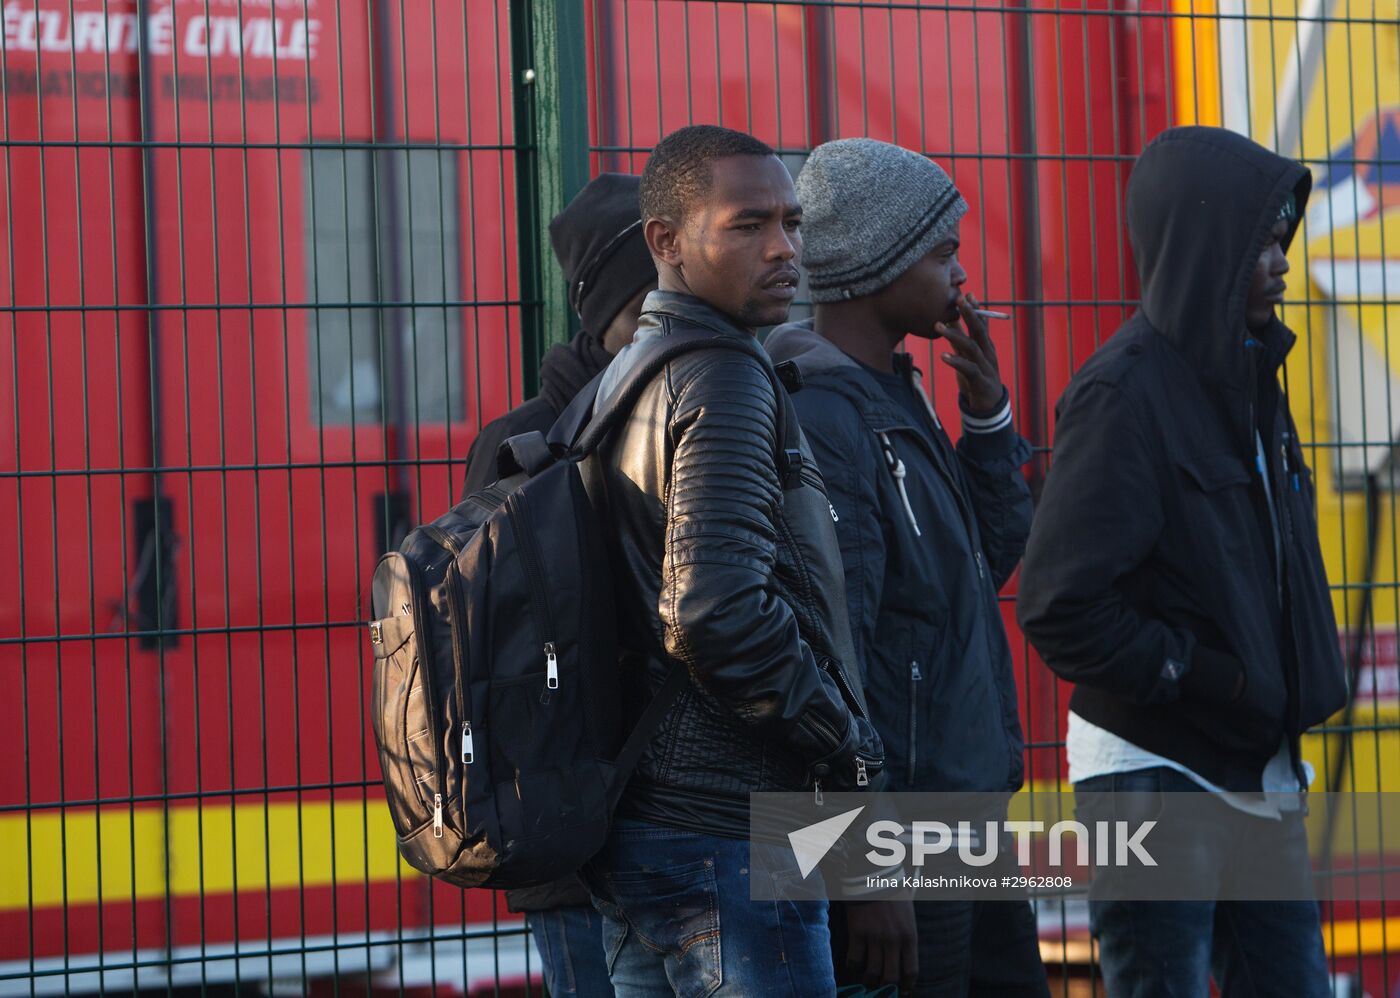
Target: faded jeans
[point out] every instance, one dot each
(677, 919)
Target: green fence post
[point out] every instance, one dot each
(550, 84)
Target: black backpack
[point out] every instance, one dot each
(497, 703)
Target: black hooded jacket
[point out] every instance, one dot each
(564, 371)
(1150, 579)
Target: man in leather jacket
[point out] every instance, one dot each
(725, 574)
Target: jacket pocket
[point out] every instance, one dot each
(1216, 536)
(1213, 472)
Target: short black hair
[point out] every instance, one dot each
(678, 171)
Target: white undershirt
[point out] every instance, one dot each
(1096, 751)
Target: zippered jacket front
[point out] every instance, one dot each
(929, 533)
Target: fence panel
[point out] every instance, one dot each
(260, 289)
(1037, 110)
(268, 266)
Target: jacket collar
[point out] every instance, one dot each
(688, 308)
(1274, 342)
(658, 306)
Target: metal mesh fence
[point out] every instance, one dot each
(259, 289)
(1037, 110)
(268, 266)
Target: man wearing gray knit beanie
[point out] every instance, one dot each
(929, 532)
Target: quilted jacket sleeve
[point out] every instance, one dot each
(850, 468)
(719, 608)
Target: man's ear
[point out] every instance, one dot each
(663, 239)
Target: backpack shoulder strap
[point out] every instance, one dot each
(647, 725)
(580, 431)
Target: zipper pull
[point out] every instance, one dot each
(914, 672)
(437, 816)
(551, 667)
(977, 556)
(467, 752)
(862, 778)
(818, 785)
(834, 517)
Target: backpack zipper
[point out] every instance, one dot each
(535, 579)
(419, 633)
(457, 613)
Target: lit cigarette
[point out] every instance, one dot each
(988, 314)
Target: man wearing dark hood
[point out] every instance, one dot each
(1173, 572)
(598, 242)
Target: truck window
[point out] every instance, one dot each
(382, 225)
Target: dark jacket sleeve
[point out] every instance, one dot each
(1100, 516)
(1001, 499)
(850, 468)
(719, 609)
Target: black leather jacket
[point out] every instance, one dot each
(735, 578)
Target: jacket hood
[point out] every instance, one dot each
(1201, 204)
(822, 363)
(812, 352)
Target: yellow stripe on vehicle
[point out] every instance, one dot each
(83, 856)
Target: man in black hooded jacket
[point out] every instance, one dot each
(598, 242)
(1173, 572)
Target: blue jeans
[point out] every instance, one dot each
(570, 941)
(677, 919)
(1159, 948)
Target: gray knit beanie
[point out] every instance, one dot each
(870, 211)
